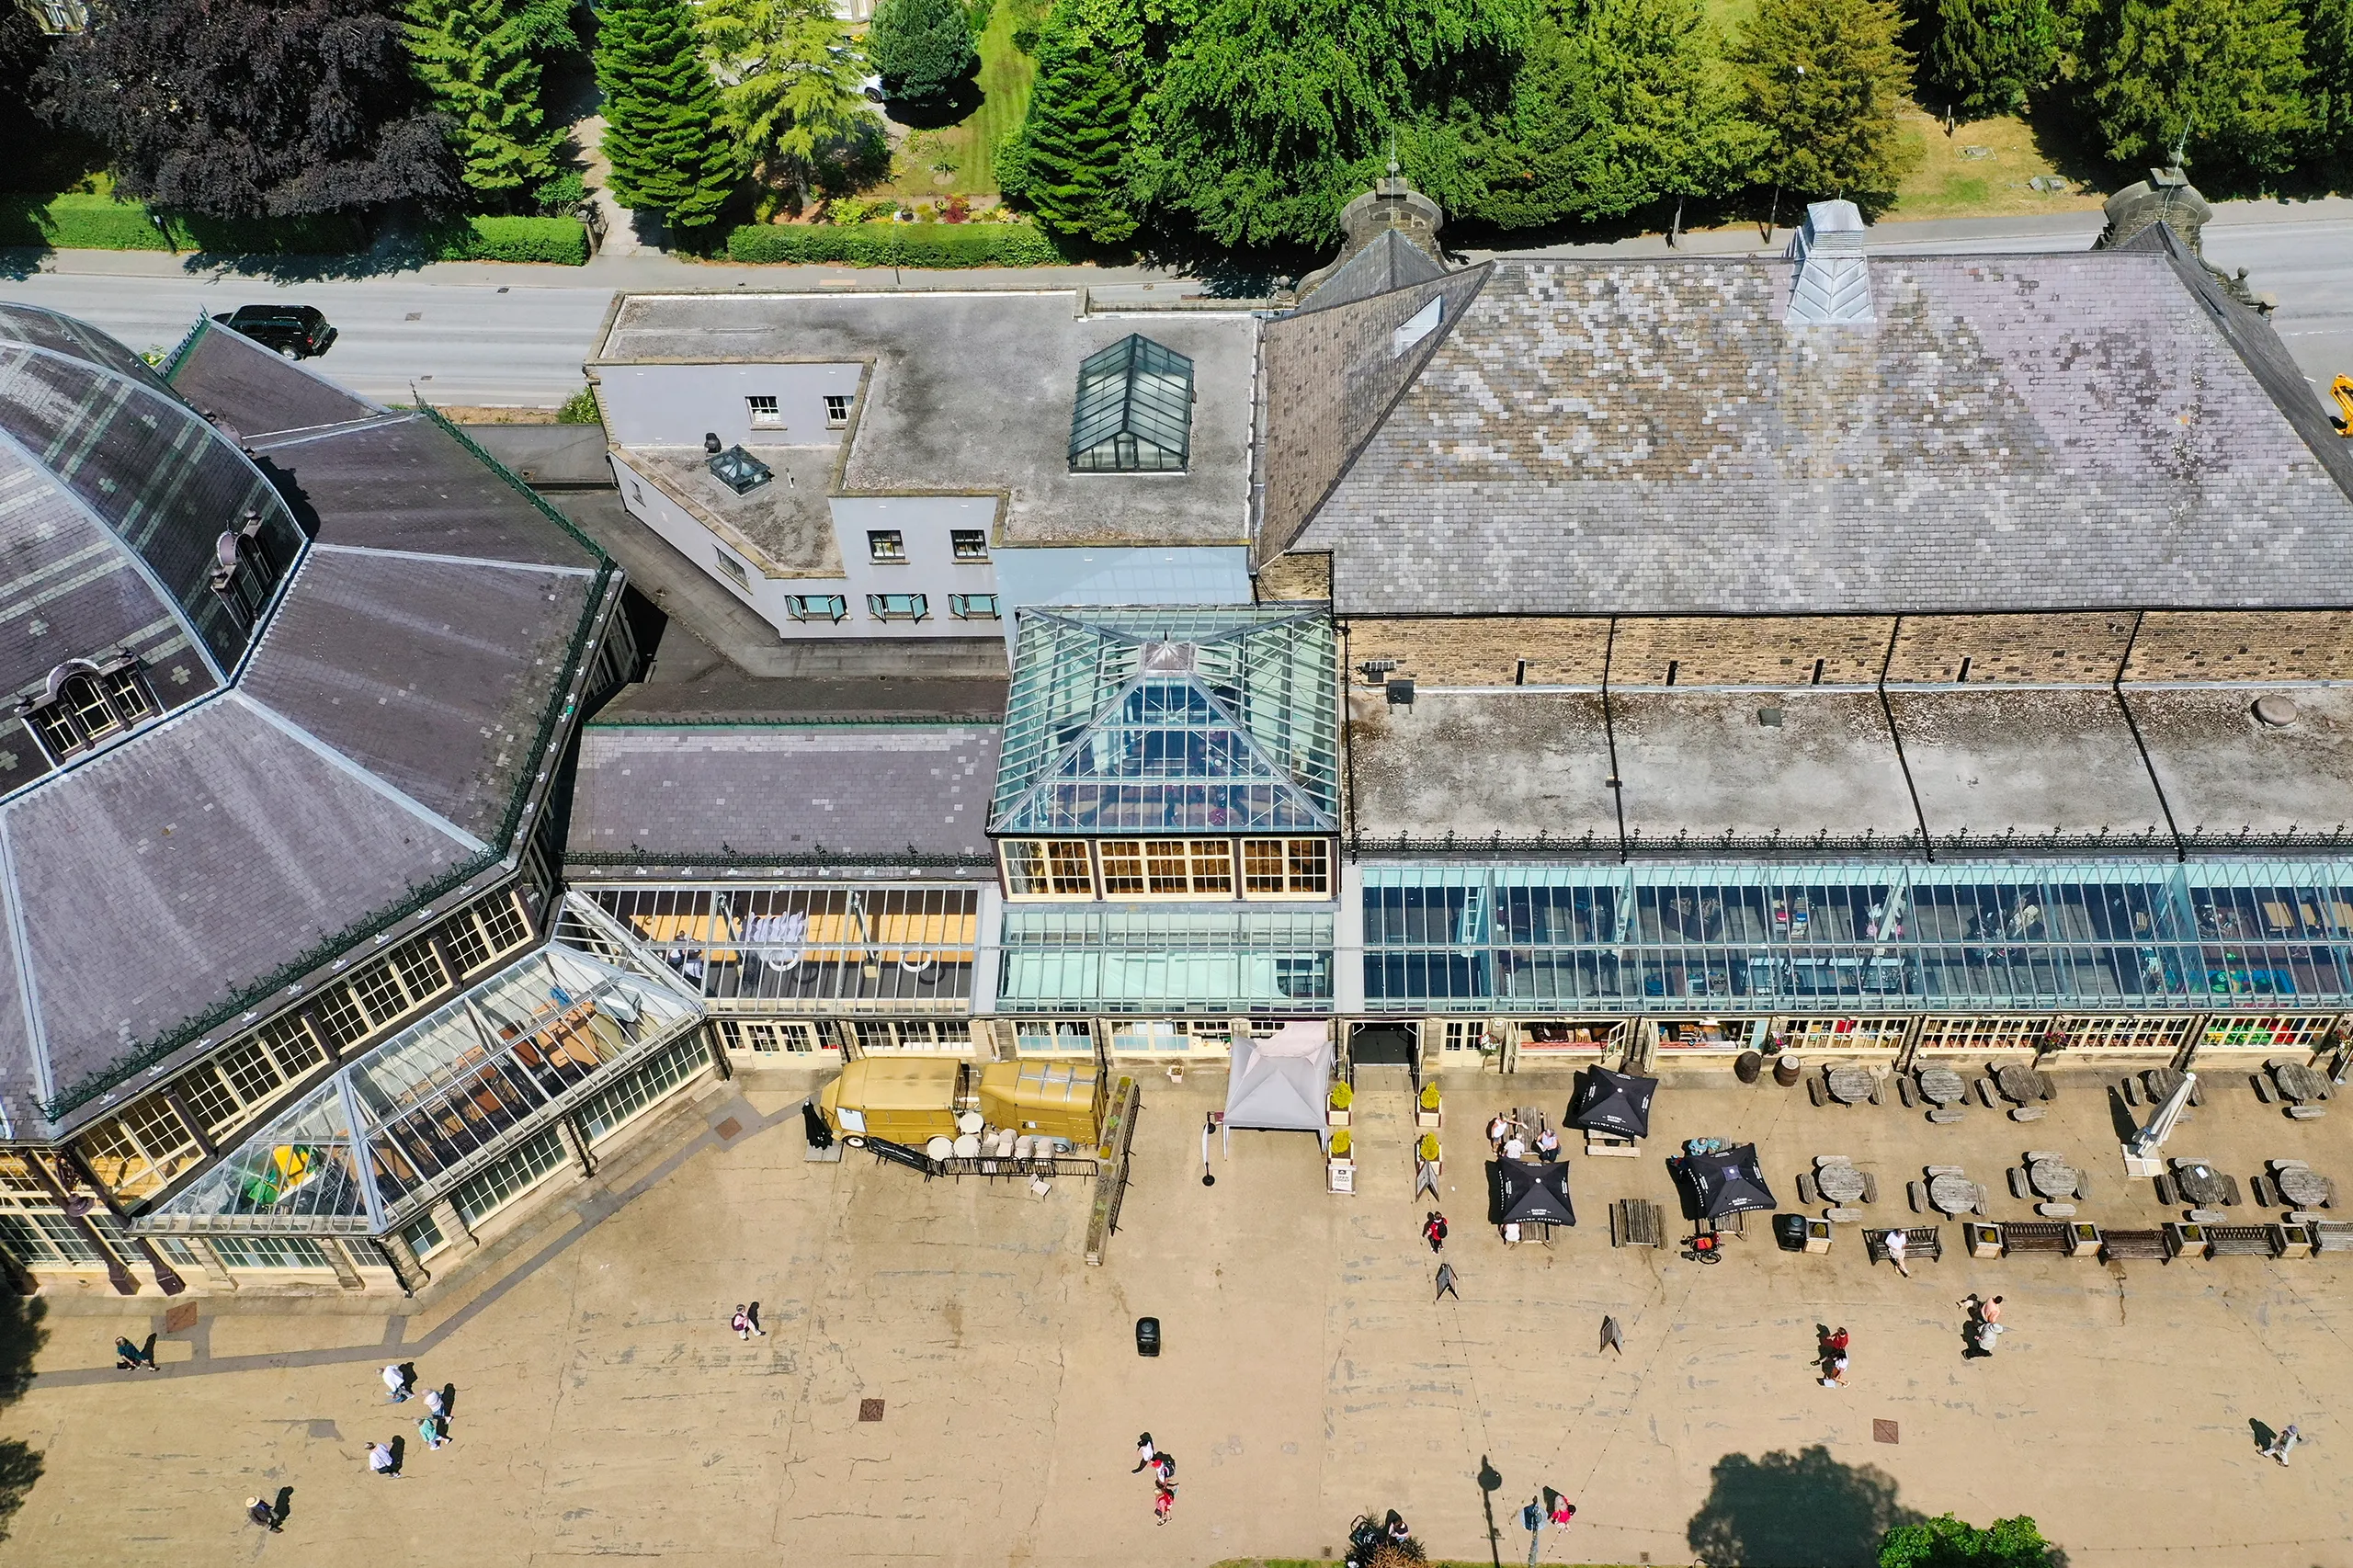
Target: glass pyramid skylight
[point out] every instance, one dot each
(399, 1127)
(1170, 720)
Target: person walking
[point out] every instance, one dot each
(1984, 1334)
(1446, 1283)
(128, 1356)
(1163, 1499)
(396, 1380)
(436, 1404)
(380, 1461)
(434, 1433)
(1990, 1311)
(1164, 1469)
(1893, 1243)
(752, 1316)
(1145, 1452)
(2284, 1444)
(1433, 1232)
(262, 1514)
(1834, 1358)
(741, 1322)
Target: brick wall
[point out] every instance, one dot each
(2243, 645)
(1750, 650)
(1486, 650)
(1997, 650)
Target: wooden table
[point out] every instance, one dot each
(2019, 1082)
(2200, 1184)
(1942, 1086)
(2053, 1178)
(1849, 1084)
(2302, 1187)
(1839, 1184)
(1952, 1194)
(2300, 1082)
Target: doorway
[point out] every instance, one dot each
(1383, 1045)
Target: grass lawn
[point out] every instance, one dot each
(1985, 169)
(968, 147)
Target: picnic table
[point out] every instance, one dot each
(1943, 1085)
(1952, 1192)
(1849, 1084)
(2053, 1178)
(2302, 1187)
(2019, 1082)
(2200, 1184)
(1839, 1183)
(2300, 1082)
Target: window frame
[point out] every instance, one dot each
(886, 547)
(95, 704)
(837, 409)
(1298, 879)
(761, 412)
(917, 607)
(735, 571)
(1166, 870)
(969, 544)
(960, 606)
(798, 606)
(1046, 870)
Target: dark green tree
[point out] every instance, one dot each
(661, 116)
(1825, 79)
(1983, 57)
(1067, 162)
(1270, 114)
(2225, 79)
(1617, 105)
(475, 62)
(922, 48)
(1946, 1542)
(2328, 43)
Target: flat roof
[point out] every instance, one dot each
(1992, 761)
(1754, 764)
(2226, 771)
(972, 394)
(1479, 764)
(787, 524)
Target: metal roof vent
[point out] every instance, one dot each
(1833, 287)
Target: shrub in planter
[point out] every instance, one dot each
(1343, 1097)
(1429, 1097)
(1428, 1149)
(1340, 1144)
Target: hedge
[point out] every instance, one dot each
(101, 223)
(563, 241)
(895, 245)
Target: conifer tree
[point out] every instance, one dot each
(2328, 34)
(2224, 78)
(476, 66)
(791, 81)
(922, 48)
(1983, 57)
(1065, 163)
(1824, 78)
(662, 115)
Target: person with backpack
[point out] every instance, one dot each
(1434, 1231)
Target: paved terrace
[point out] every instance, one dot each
(604, 1409)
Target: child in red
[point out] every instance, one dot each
(1163, 1499)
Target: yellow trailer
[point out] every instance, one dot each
(906, 1099)
(1059, 1099)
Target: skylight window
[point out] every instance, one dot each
(1134, 412)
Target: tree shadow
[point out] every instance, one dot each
(22, 1334)
(19, 261)
(1801, 1510)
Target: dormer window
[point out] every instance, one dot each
(87, 704)
(243, 573)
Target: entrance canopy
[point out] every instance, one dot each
(1727, 1183)
(1612, 1102)
(1281, 1085)
(1523, 1194)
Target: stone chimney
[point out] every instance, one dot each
(1833, 285)
(2166, 196)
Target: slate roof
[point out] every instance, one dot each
(686, 794)
(1391, 261)
(971, 393)
(381, 735)
(2015, 432)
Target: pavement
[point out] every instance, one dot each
(487, 334)
(602, 1408)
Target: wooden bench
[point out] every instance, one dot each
(1904, 1091)
(2035, 1236)
(1806, 1195)
(2168, 1197)
(1919, 1242)
(1636, 1222)
(2243, 1241)
(2266, 1196)
(2332, 1236)
(1945, 1115)
(2305, 1112)
(2020, 1187)
(2148, 1246)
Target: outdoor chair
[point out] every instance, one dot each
(2167, 1196)
(1871, 1188)
(2229, 1192)
(2266, 1196)
(1904, 1091)
(2018, 1188)
(2130, 1090)
(1917, 1191)
(2262, 1082)
(1814, 1091)
(1807, 1196)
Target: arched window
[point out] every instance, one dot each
(87, 704)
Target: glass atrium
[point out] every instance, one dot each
(1135, 412)
(2067, 936)
(1170, 720)
(393, 1129)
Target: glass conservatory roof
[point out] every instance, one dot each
(1202, 962)
(1134, 408)
(2105, 936)
(1170, 720)
(400, 1126)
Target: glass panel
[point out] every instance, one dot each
(1185, 962)
(1122, 868)
(1069, 866)
(816, 945)
(1212, 866)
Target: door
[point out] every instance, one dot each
(1382, 1045)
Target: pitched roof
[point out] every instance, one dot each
(2020, 432)
(1389, 261)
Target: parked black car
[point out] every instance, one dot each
(299, 331)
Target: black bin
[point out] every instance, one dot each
(1147, 1337)
(1789, 1230)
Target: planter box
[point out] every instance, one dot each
(1817, 1235)
(2186, 1241)
(2083, 1239)
(2295, 1240)
(1428, 1121)
(1984, 1240)
(1335, 1118)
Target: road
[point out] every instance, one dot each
(474, 333)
